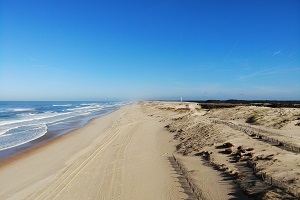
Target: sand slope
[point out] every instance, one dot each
(274, 152)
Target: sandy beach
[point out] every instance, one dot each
(123, 155)
(157, 150)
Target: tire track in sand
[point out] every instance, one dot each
(118, 169)
(65, 177)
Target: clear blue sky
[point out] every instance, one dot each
(155, 49)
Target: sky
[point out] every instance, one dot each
(154, 49)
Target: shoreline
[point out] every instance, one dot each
(39, 162)
(8, 154)
(40, 143)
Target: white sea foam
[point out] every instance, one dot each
(3, 131)
(28, 134)
(21, 109)
(29, 126)
(29, 118)
(87, 104)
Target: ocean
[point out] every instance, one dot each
(22, 122)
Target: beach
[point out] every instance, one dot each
(149, 150)
(118, 156)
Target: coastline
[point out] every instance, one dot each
(123, 146)
(57, 151)
(26, 149)
(8, 154)
(145, 150)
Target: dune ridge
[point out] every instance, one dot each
(233, 151)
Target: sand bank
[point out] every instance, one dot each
(261, 155)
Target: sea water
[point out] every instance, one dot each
(22, 122)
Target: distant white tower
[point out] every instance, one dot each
(180, 99)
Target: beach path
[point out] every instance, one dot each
(127, 158)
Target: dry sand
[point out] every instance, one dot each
(128, 154)
(196, 133)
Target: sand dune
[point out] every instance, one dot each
(197, 133)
